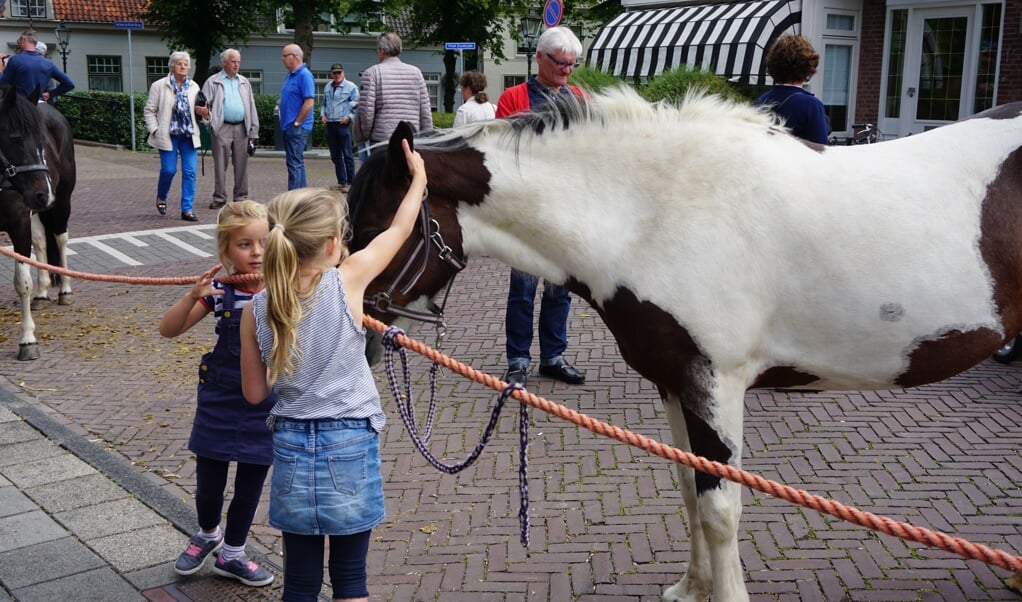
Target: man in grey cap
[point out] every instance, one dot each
(340, 97)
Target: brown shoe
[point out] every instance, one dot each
(215, 204)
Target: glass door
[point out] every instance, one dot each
(937, 85)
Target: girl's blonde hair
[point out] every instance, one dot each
(234, 216)
(301, 223)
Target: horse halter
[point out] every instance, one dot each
(8, 170)
(420, 254)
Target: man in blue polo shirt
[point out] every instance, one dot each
(29, 70)
(296, 100)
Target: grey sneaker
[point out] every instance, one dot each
(191, 560)
(243, 570)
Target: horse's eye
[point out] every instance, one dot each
(16, 138)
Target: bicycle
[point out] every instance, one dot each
(864, 133)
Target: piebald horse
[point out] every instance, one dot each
(725, 254)
(37, 177)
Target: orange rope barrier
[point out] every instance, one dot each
(875, 522)
(853, 515)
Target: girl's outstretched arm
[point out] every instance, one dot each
(359, 269)
(189, 309)
(253, 371)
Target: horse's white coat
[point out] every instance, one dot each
(838, 263)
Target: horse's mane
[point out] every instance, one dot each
(617, 104)
(22, 115)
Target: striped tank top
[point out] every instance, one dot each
(332, 378)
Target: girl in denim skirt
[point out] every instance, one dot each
(303, 338)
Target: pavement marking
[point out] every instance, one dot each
(111, 252)
(183, 245)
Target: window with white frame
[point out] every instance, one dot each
(29, 8)
(840, 47)
(255, 77)
(105, 73)
(432, 88)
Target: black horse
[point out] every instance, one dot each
(37, 177)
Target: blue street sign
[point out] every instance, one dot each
(459, 45)
(553, 10)
(128, 24)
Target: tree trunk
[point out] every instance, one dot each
(450, 79)
(305, 15)
(201, 61)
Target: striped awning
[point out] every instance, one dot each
(729, 39)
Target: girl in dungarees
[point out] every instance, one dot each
(226, 427)
(303, 337)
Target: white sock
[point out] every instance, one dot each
(229, 553)
(210, 536)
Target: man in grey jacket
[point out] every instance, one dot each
(233, 122)
(403, 88)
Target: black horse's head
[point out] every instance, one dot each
(22, 155)
(376, 192)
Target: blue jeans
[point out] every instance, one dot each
(326, 476)
(553, 319)
(338, 139)
(180, 144)
(294, 149)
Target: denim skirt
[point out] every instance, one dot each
(326, 476)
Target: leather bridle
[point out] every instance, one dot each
(412, 268)
(8, 170)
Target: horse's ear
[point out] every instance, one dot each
(33, 96)
(10, 97)
(395, 154)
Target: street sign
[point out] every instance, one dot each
(128, 24)
(459, 45)
(553, 10)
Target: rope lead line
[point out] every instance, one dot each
(406, 407)
(883, 524)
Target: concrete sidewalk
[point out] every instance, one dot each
(79, 522)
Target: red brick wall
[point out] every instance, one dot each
(1009, 86)
(874, 14)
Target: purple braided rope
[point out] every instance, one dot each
(406, 410)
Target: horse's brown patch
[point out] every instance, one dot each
(1000, 242)
(662, 350)
(948, 354)
(783, 376)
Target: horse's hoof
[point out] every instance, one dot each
(40, 303)
(1014, 582)
(66, 299)
(28, 352)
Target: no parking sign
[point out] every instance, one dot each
(553, 10)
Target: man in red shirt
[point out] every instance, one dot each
(557, 52)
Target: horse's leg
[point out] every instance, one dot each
(41, 298)
(66, 295)
(27, 347)
(713, 423)
(697, 582)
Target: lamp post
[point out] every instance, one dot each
(530, 27)
(63, 40)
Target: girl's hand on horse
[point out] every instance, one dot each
(415, 162)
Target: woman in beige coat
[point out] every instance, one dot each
(170, 118)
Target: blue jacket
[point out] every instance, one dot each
(28, 70)
(802, 112)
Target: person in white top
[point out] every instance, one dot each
(477, 105)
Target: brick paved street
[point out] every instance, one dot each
(606, 522)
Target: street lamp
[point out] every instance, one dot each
(530, 27)
(63, 40)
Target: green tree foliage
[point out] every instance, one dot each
(304, 16)
(435, 22)
(204, 27)
(592, 79)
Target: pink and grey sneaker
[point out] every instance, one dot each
(191, 560)
(243, 570)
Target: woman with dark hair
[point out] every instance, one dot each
(477, 105)
(791, 61)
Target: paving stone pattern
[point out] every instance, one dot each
(606, 521)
